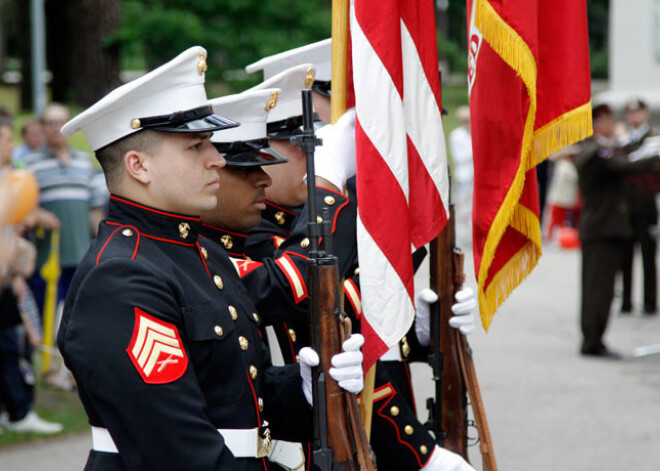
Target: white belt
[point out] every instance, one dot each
(243, 443)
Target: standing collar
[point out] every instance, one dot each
(281, 216)
(153, 222)
(232, 242)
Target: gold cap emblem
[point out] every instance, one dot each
(201, 64)
(135, 123)
(309, 80)
(272, 102)
(184, 228)
(227, 241)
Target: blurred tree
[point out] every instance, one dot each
(235, 32)
(598, 16)
(95, 56)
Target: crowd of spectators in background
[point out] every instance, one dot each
(43, 247)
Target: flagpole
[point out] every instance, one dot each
(340, 28)
(340, 21)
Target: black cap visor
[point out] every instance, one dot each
(286, 128)
(253, 153)
(197, 120)
(322, 87)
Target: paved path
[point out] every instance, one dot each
(549, 409)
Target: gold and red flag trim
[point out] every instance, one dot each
(529, 82)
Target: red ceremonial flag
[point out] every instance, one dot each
(402, 183)
(529, 82)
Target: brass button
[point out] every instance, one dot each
(127, 232)
(218, 330)
(329, 200)
(135, 123)
(356, 272)
(255, 316)
(394, 410)
(292, 334)
(233, 312)
(408, 429)
(218, 282)
(319, 219)
(253, 372)
(405, 347)
(297, 358)
(423, 449)
(261, 404)
(243, 343)
(304, 243)
(205, 253)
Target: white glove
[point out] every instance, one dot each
(463, 318)
(445, 460)
(334, 160)
(308, 358)
(425, 298)
(347, 366)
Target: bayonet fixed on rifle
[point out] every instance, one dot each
(339, 439)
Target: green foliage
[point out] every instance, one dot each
(235, 32)
(453, 53)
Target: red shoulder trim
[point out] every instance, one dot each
(137, 242)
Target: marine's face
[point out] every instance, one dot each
(241, 198)
(183, 173)
(288, 188)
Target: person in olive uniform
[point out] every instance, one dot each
(604, 225)
(158, 330)
(644, 212)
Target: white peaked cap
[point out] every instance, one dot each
(173, 87)
(250, 109)
(319, 54)
(290, 82)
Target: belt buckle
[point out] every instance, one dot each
(264, 441)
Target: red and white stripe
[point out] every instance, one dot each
(402, 181)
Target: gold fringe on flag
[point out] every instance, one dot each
(567, 129)
(508, 44)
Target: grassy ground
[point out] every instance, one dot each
(63, 407)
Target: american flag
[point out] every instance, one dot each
(402, 181)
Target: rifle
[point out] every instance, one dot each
(340, 442)
(451, 357)
(448, 412)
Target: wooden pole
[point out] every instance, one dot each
(340, 28)
(340, 12)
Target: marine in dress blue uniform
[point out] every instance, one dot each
(277, 281)
(158, 329)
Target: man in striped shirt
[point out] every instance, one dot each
(68, 200)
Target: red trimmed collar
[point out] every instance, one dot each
(154, 222)
(233, 242)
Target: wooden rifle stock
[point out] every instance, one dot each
(456, 363)
(470, 375)
(345, 432)
(340, 442)
(449, 411)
